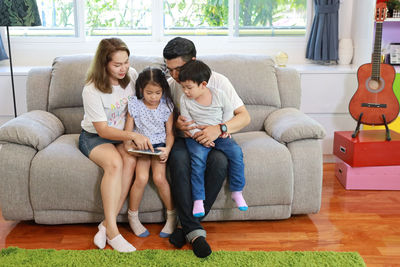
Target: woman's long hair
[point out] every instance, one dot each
(97, 73)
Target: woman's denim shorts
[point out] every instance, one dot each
(88, 141)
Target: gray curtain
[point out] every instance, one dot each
(3, 54)
(323, 42)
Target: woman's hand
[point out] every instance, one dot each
(128, 145)
(141, 142)
(164, 155)
(184, 125)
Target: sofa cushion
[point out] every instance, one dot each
(258, 114)
(62, 178)
(69, 75)
(290, 124)
(67, 81)
(289, 87)
(37, 88)
(257, 84)
(71, 118)
(141, 62)
(15, 166)
(268, 172)
(36, 129)
(253, 77)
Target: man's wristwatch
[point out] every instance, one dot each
(224, 128)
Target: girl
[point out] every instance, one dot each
(152, 112)
(106, 132)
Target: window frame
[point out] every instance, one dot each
(157, 29)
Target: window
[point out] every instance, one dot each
(271, 17)
(122, 17)
(58, 19)
(235, 18)
(196, 17)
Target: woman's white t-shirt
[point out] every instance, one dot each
(112, 108)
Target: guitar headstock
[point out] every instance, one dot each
(381, 11)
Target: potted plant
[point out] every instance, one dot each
(393, 5)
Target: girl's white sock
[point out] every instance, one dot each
(170, 224)
(136, 226)
(120, 244)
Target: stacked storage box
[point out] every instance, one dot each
(368, 161)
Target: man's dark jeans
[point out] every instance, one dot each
(179, 167)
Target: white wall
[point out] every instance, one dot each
(345, 18)
(362, 28)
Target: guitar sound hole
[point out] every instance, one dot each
(374, 85)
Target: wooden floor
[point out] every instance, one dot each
(363, 221)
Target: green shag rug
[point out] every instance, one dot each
(49, 257)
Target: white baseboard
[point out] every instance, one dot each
(329, 158)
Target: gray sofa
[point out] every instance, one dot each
(44, 177)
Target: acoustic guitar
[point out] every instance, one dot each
(374, 102)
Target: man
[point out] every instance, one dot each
(176, 53)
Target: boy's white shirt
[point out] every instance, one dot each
(219, 111)
(111, 108)
(216, 80)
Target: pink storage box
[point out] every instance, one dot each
(368, 178)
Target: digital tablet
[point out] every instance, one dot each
(156, 152)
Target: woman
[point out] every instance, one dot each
(107, 132)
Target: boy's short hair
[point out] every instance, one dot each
(180, 47)
(196, 71)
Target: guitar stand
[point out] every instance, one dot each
(357, 130)
(388, 138)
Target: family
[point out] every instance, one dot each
(188, 116)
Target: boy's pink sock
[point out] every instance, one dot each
(240, 202)
(198, 208)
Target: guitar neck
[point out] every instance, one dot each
(376, 56)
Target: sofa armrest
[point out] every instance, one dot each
(36, 128)
(289, 124)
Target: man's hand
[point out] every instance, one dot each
(207, 135)
(184, 125)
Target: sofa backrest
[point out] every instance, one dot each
(255, 79)
(262, 87)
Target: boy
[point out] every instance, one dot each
(209, 106)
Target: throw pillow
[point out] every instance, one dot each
(36, 128)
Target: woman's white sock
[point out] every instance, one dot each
(170, 224)
(100, 237)
(136, 226)
(120, 244)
